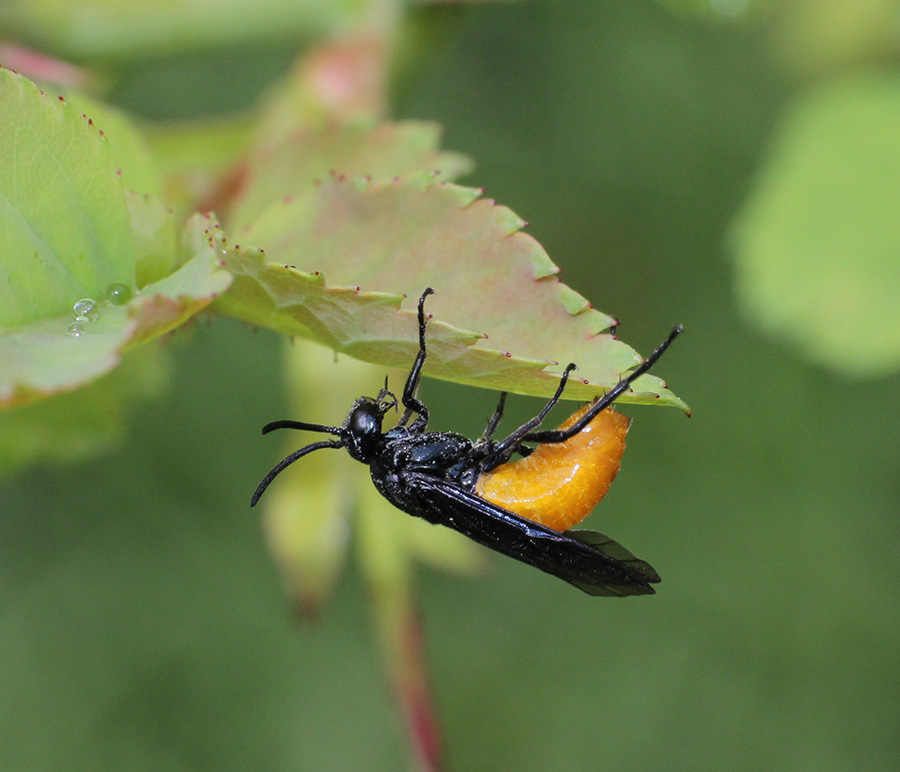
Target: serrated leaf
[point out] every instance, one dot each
(64, 228)
(403, 236)
(171, 301)
(42, 357)
(365, 149)
(67, 239)
(129, 150)
(817, 244)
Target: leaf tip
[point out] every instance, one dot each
(574, 302)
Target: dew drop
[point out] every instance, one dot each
(117, 294)
(77, 329)
(86, 310)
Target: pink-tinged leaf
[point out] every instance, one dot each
(41, 67)
(502, 318)
(75, 246)
(363, 149)
(342, 80)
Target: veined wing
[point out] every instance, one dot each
(589, 560)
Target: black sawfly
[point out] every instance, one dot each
(433, 475)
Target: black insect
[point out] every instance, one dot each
(434, 475)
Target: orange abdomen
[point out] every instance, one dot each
(560, 483)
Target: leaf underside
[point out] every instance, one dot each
(502, 319)
(414, 232)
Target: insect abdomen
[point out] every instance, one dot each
(560, 483)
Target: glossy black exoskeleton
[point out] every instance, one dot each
(432, 475)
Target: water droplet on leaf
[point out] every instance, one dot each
(86, 310)
(117, 294)
(77, 329)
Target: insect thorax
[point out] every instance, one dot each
(433, 452)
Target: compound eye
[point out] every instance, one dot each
(365, 419)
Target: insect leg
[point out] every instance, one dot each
(495, 419)
(409, 400)
(607, 399)
(504, 450)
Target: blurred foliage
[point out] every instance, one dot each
(122, 30)
(142, 623)
(820, 37)
(720, 10)
(818, 243)
(85, 422)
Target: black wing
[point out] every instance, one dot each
(587, 559)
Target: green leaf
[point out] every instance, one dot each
(384, 150)
(130, 151)
(43, 357)
(72, 244)
(64, 227)
(156, 243)
(398, 237)
(818, 243)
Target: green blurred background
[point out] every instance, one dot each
(142, 622)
